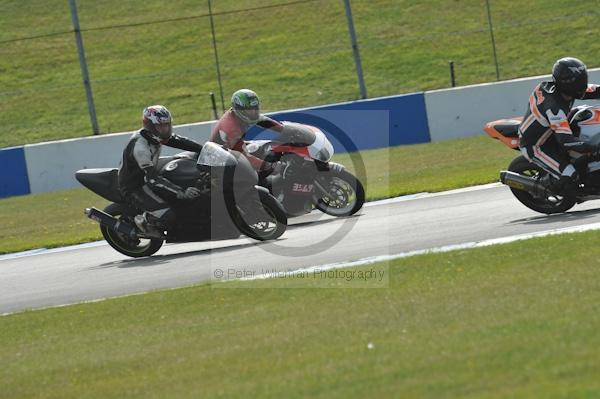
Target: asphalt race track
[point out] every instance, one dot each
(387, 227)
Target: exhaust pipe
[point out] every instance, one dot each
(110, 222)
(523, 183)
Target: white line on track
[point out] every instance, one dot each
(45, 251)
(445, 248)
(375, 259)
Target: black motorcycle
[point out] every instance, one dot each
(231, 203)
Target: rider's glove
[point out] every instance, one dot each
(189, 193)
(278, 167)
(275, 168)
(267, 168)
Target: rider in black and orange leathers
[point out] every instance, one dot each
(545, 134)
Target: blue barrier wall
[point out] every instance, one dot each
(351, 126)
(367, 124)
(13, 179)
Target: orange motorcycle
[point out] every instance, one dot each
(531, 182)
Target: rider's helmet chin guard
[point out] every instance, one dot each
(246, 106)
(570, 76)
(157, 120)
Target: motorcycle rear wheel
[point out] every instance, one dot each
(135, 248)
(549, 205)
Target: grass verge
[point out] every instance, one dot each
(514, 320)
(293, 56)
(48, 220)
(56, 219)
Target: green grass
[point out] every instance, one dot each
(516, 320)
(293, 56)
(432, 167)
(48, 220)
(56, 219)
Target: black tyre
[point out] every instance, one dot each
(262, 218)
(548, 205)
(346, 194)
(134, 247)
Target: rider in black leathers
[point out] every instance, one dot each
(139, 181)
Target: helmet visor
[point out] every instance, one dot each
(164, 130)
(249, 115)
(581, 85)
(574, 86)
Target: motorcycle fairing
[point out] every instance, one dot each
(505, 130)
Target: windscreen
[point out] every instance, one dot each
(214, 155)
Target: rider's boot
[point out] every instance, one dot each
(146, 227)
(565, 185)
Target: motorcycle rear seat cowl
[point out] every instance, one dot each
(508, 129)
(102, 181)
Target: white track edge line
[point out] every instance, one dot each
(442, 249)
(410, 197)
(360, 262)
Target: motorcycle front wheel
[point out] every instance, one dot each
(344, 196)
(261, 218)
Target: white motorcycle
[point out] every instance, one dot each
(308, 178)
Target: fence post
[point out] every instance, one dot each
(84, 69)
(452, 77)
(214, 39)
(359, 70)
(214, 105)
(489, 15)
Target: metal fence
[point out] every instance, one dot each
(294, 53)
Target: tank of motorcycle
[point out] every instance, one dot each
(296, 134)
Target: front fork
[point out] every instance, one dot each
(325, 167)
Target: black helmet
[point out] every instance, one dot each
(571, 77)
